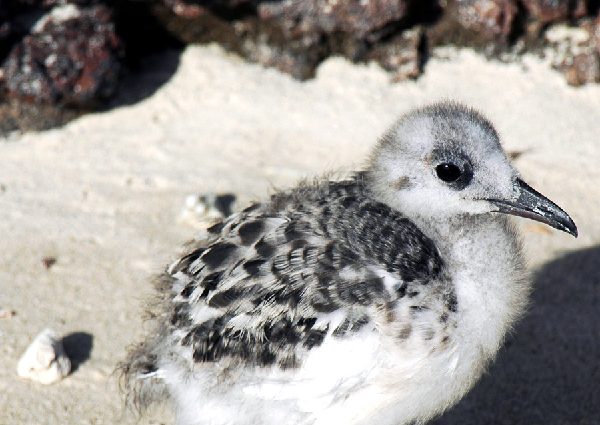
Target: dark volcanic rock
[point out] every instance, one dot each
(347, 27)
(292, 36)
(403, 55)
(71, 57)
(195, 8)
(61, 58)
(66, 56)
(311, 18)
(476, 23)
(492, 19)
(16, 115)
(546, 11)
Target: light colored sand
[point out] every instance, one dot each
(102, 194)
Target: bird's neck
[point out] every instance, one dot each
(482, 254)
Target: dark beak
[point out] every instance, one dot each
(534, 205)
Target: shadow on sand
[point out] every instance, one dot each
(151, 52)
(78, 346)
(549, 371)
(151, 74)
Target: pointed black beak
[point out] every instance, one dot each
(532, 204)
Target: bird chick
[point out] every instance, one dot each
(380, 299)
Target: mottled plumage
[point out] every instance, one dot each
(367, 300)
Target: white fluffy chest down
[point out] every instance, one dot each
(358, 380)
(364, 379)
(342, 381)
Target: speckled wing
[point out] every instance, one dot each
(257, 292)
(272, 282)
(263, 288)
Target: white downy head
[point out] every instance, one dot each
(445, 160)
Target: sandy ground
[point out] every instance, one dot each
(102, 195)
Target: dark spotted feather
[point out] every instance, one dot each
(255, 290)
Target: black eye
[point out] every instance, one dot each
(448, 172)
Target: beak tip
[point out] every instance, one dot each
(567, 225)
(533, 205)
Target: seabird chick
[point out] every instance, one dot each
(380, 299)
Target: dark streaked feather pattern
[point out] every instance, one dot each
(267, 274)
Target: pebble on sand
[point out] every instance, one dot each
(202, 210)
(45, 360)
(6, 313)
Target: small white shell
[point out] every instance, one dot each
(191, 201)
(201, 210)
(45, 360)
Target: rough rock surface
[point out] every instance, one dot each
(70, 58)
(490, 19)
(403, 55)
(312, 18)
(295, 36)
(292, 36)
